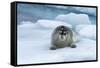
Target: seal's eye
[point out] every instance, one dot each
(64, 33)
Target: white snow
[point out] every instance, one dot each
(74, 19)
(88, 31)
(27, 24)
(34, 43)
(52, 23)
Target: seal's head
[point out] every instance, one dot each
(62, 37)
(63, 32)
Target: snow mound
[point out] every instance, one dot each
(27, 24)
(88, 31)
(51, 23)
(74, 19)
(76, 37)
(91, 11)
(34, 45)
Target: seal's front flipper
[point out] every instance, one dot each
(53, 48)
(73, 46)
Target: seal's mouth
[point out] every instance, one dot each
(62, 37)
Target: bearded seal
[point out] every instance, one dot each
(62, 37)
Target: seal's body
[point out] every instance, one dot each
(62, 37)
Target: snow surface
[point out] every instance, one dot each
(74, 19)
(88, 31)
(34, 42)
(27, 24)
(52, 23)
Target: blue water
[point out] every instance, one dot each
(30, 12)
